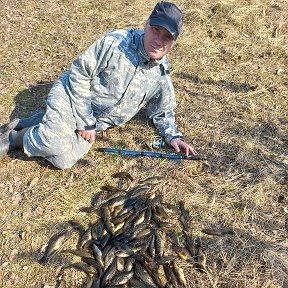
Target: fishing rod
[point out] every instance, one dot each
(149, 154)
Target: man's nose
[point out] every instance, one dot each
(159, 41)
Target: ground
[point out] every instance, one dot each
(229, 69)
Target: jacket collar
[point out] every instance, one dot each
(138, 45)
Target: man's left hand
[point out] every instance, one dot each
(178, 144)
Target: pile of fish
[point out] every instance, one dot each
(132, 239)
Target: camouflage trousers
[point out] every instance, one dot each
(55, 137)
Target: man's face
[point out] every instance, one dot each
(157, 41)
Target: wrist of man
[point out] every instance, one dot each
(89, 128)
(177, 137)
(86, 128)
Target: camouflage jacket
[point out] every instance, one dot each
(114, 78)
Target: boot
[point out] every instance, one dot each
(11, 140)
(20, 123)
(4, 144)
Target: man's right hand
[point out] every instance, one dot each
(88, 135)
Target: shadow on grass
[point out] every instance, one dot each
(274, 143)
(19, 154)
(56, 239)
(234, 255)
(30, 100)
(230, 86)
(55, 260)
(250, 166)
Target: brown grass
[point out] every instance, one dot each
(229, 69)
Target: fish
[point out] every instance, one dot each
(169, 208)
(211, 231)
(77, 226)
(116, 201)
(122, 254)
(160, 223)
(129, 264)
(151, 247)
(84, 238)
(109, 273)
(142, 233)
(178, 272)
(118, 227)
(98, 255)
(123, 247)
(122, 278)
(54, 244)
(141, 245)
(121, 218)
(201, 262)
(156, 201)
(159, 244)
(136, 232)
(139, 190)
(89, 210)
(148, 214)
(152, 179)
(162, 275)
(185, 217)
(123, 175)
(93, 263)
(166, 259)
(198, 244)
(130, 202)
(103, 201)
(143, 275)
(106, 249)
(106, 217)
(79, 253)
(218, 232)
(96, 283)
(104, 240)
(83, 268)
(227, 231)
(135, 283)
(161, 211)
(173, 238)
(110, 256)
(98, 199)
(120, 264)
(140, 218)
(183, 253)
(115, 211)
(190, 244)
(110, 188)
(171, 278)
(138, 206)
(130, 240)
(97, 229)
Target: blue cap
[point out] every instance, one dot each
(168, 16)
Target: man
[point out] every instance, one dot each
(105, 87)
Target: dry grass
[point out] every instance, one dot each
(230, 75)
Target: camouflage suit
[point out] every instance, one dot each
(105, 87)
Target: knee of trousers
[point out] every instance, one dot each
(62, 162)
(70, 158)
(41, 142)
